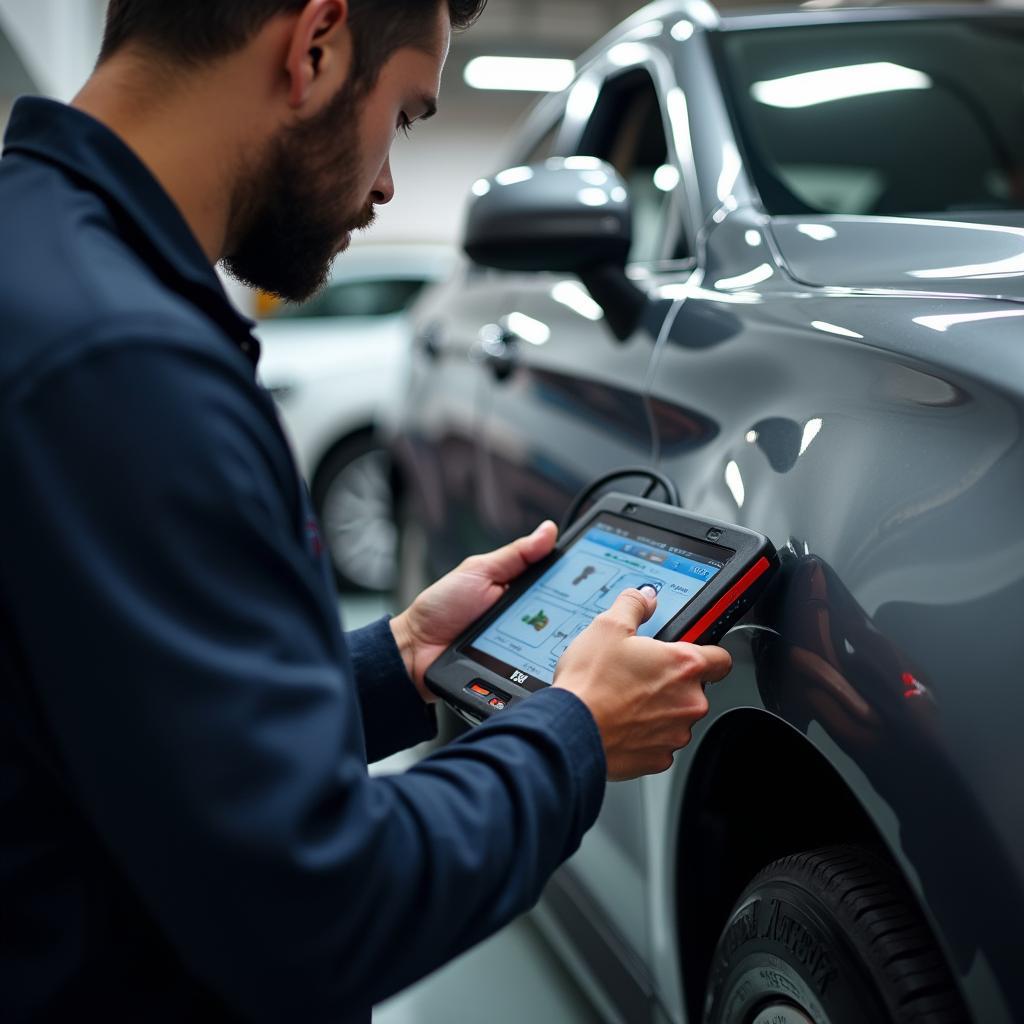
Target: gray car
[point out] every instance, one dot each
(780, 258)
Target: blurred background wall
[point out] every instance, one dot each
(51, 45)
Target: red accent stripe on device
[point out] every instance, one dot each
(706, 621)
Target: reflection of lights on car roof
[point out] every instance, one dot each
(682, 30)
(626, 54)
(829, 84)
(582, 100)
(519, 74)
(753, 239)
(481, 187)
(649, 30)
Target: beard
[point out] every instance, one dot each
(294, 214)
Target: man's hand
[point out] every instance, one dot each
(442, 612)
(644, 694)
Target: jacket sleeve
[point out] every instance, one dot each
(394, 715)
(190, 665)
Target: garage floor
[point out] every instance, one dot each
(511, 978)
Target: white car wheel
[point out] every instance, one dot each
(353, 498)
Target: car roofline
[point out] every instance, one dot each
(707, 18)
(742, 20)
(702, 13)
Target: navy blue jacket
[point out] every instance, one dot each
(187, 827)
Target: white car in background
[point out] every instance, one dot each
(330, 364)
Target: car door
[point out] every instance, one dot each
(565, 399)
(436, 427)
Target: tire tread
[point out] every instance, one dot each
(867, 895)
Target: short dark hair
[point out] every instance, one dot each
(194, 31)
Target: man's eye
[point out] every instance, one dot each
(405, 126)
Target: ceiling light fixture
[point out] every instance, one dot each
(519, 74)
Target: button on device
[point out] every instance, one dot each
(497, 703)
(481, 690)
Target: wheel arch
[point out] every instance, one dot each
(730, 826)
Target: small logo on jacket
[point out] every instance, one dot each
(316, 542)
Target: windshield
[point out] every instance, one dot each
(894, 118)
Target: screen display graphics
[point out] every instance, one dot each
(613, 555)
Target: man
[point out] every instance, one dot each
(189, 829)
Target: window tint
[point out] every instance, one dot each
(357, 298)
(627, 130)
(897, 118)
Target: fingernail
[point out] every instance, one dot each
(649, 592)
(540, 529)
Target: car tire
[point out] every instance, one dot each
(830, 936)
(352, 497)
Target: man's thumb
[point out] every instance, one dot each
(635, 607)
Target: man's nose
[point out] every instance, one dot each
(384, 187)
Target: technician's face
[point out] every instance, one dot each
(323, 178)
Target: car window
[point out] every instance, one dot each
(356, 298)
(627, 130)
(892, 119)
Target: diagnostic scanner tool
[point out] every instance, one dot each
(706, 575)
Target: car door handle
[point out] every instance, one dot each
(498, 350)
(429, 340)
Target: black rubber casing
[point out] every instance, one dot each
(706, 619)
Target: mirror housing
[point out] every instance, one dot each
(563, 216)
(570, 215)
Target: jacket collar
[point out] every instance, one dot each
(92, 153)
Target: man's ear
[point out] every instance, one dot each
(320, 55)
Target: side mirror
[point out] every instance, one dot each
(561, 216)
(569, 215)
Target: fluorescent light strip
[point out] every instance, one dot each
(519, 74)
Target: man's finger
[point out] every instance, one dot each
(634, 607)
(718, 664)
(514, 559)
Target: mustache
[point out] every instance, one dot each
(365, 219)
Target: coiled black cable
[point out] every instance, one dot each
(656, 478)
